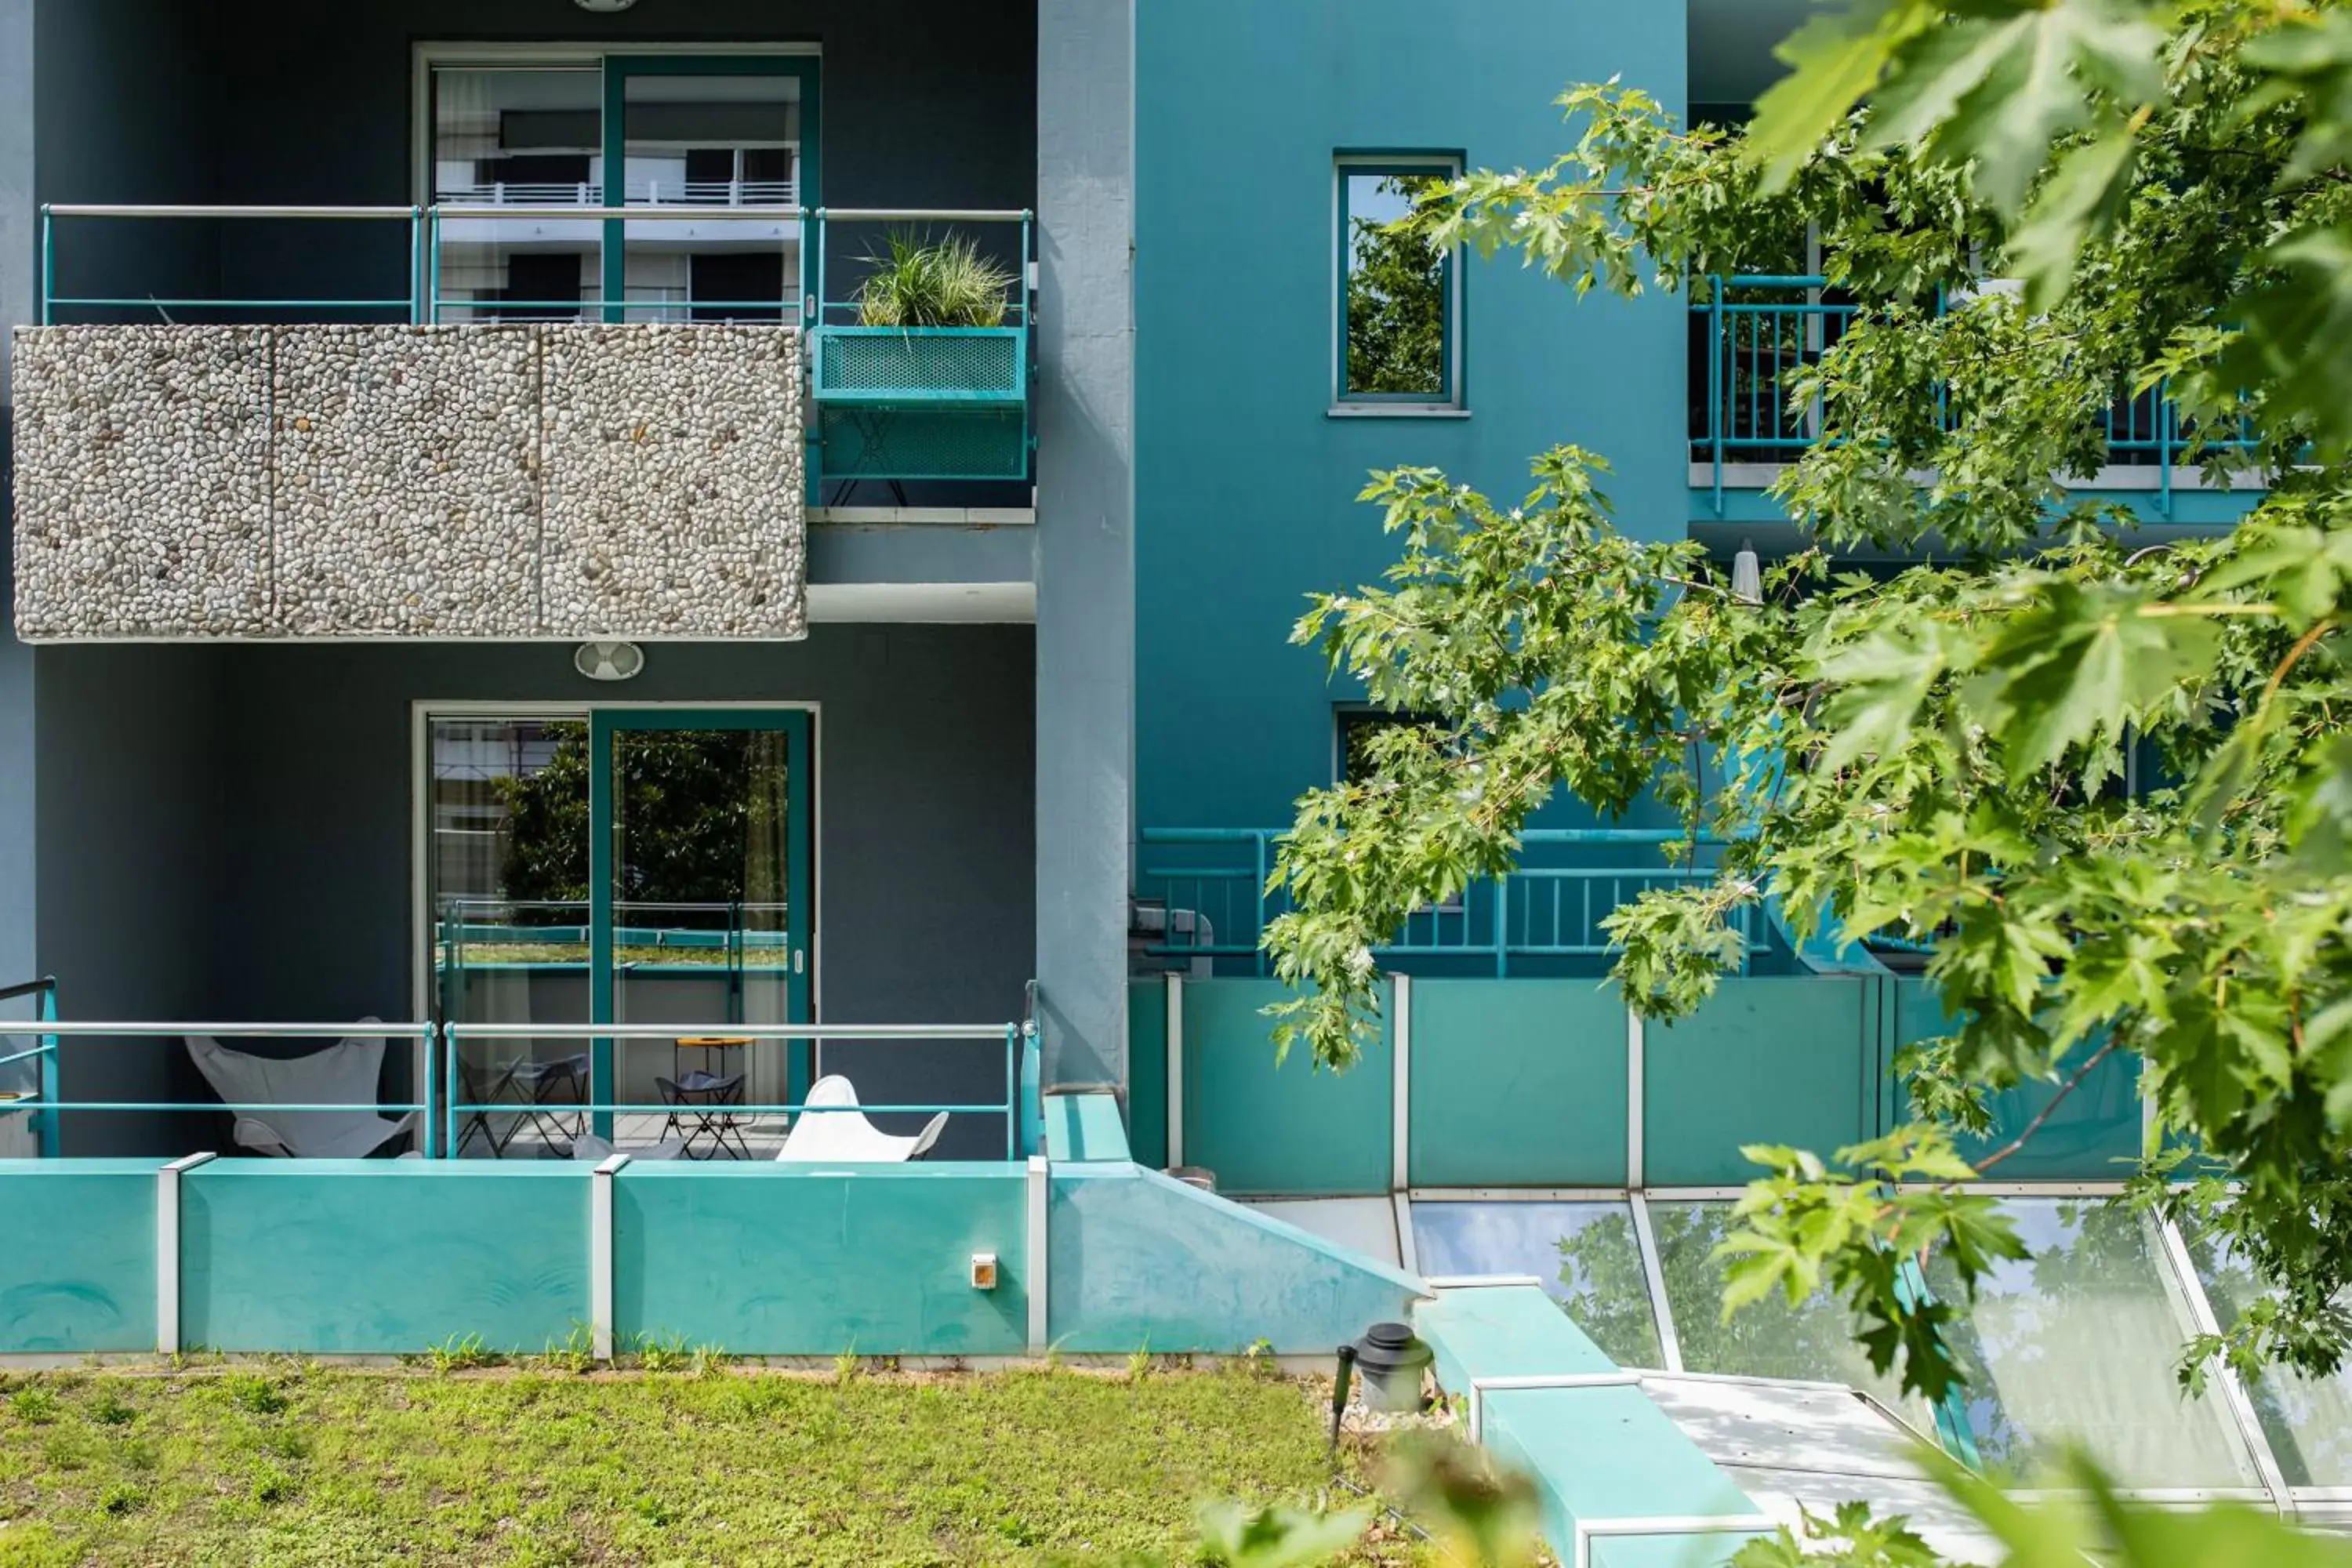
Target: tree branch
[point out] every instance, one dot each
(2069, 1087)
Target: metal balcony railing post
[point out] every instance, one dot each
(1715, 351)
(49, 260)
(1264, 902)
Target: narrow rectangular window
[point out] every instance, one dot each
(1400, 295)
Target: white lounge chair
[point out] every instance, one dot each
(845, 1136)
(346, 1072)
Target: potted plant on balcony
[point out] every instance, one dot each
(946, 283)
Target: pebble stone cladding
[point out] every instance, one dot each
(542, 480)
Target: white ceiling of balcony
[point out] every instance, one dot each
(1731, 45)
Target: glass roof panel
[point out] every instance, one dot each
(1583, 1252)
(2308, 1420)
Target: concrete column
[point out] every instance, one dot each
(1085, 532)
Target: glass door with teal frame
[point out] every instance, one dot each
(701, 897)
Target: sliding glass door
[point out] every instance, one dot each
(647, 866)
(701, 885)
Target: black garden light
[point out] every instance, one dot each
(1393, 1361)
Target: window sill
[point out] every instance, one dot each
(1395, 410)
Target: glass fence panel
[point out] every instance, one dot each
(2076, 1344)
(1583, 1252)
(1813, 1340)
(2308, 1420)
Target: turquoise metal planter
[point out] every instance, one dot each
(921, 403)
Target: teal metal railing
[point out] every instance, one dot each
(424, 300)
(172, 1035)
(1021, 1071)
(442, 1106)
(1753, 333)
(43, 1055)
(1214, 884)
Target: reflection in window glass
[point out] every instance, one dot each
(2077, 1341)
(1585, 1253)
(1399, 304)
(2308, 1420)
(1813, 1342)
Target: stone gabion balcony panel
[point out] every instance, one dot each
(545, 480)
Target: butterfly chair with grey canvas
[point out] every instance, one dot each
(345, 1074)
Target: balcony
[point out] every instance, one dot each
(1204, 904)
(494, 435)
(1757, 331)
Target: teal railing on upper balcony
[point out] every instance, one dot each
(1212, 882)
(895, 402)
(1752, 333)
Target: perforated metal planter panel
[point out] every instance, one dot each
(871, 443)
(921, 364)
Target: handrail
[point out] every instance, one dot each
(45, 1082)
(599, 1036)
(1743, 414)
(1540, 912)
(921, 215)
(57, 1030)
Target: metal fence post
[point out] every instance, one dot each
(1715, 351)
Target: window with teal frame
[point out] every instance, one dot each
(1400, 305)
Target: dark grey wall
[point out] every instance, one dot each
(133, 876)
(126, 111)
(229, 831)
(927, 103)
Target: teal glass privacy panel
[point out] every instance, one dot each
(1516, 1083)
(1277, 1130)
(1147, 1072)
(1762, 1061)
(2076, 1344)
(919, 442)
(1814, 1341)
(1585, 1255)
(2308, 1420)
(2093, 1136)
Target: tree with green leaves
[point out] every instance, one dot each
(1928, 755)
(1396, 304)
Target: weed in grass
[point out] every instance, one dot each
(119, 1499)
(845, 1365)
(255, 1393)
(664, 1356)
(272, 1485)
(286, 1442)
(458, 1353)
(109, 1410)
(709, 1360)
(575, 1352)
(656, 1512)
(1139, 1363)
(33, 1406)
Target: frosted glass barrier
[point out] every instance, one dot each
(1813, 1340)
(1584, 1253)
(2308, 1420)
(2077, 1343)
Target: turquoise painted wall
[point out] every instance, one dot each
(1516, 1083)
(1292, 1129)
(79, 1276)
(1138, 1260)
(361, 1257)
(763, 1260)
(1599, 1452)
(1244, 482)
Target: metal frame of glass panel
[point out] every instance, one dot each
(2170, 1257)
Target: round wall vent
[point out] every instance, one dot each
(604, 5)
(608, 660)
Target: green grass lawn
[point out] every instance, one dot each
(317, 1467)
